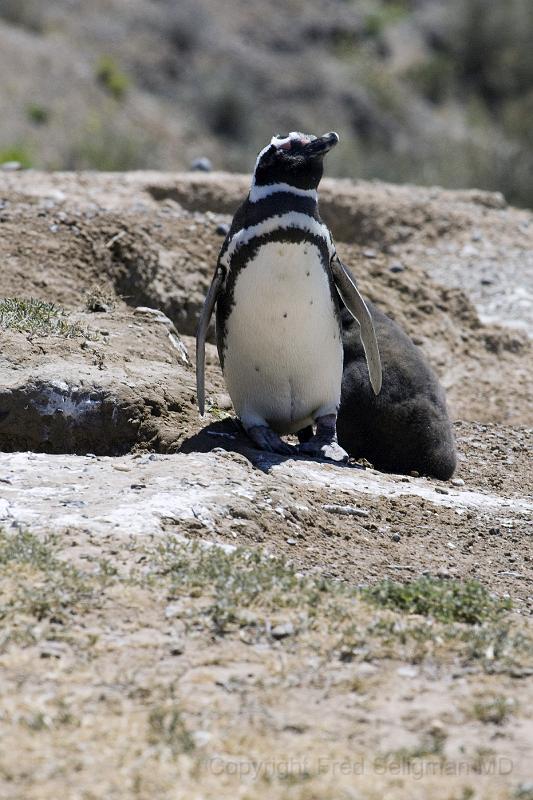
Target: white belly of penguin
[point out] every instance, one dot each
(283, 355)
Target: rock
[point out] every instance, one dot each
(283, 630)
(222, 229)
(396, 267)
(347, 511)
(158, 316)
(201, 738)
(457, 482)
(407, 671)
(63, 398)
(202, 164)
(11, 166)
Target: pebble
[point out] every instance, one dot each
(346, 511)
(396, 537)
(407, 672)
(222, 229)
(201, 738)
(396, 267)
(291, 541)
(174, 610)
(281, 631)
(201, 165)
(10, 166)
(369, 253)
(441, 490)
(457, 482)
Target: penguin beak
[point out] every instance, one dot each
(320, 146)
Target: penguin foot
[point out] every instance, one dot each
(265, 438)
(305, 434)
(324, 443)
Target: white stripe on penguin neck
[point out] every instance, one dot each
(260, 192)
(293, 219)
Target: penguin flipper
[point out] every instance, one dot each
(357, 307)
(201, 333)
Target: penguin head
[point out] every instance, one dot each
(293, 158)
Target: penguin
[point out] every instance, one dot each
(407, 426)
(278, 288)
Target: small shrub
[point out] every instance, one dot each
(37, 318)
(446, 601)
(166, 727)
(434, 77)
(45, 587)
(104, 146)
(16, 153)
(494, 710)
(110, 76)
(38, 114)
(25, 548)
(99, 299)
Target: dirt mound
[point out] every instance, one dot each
(127, 382)
(62, 234)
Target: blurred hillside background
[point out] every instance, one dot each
(420, 91)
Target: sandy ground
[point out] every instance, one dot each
(117, 665)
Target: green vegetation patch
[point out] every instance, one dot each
(444, 600)
(38, 114)
(36, 585)
(38, 318)
(25, 548)
(166, 726)
(16, 153)
(111, 77)
(240, 580)
(495, 709)
(248, 593)
(99, 298)
(241, 588)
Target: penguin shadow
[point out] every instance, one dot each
(229, 435)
